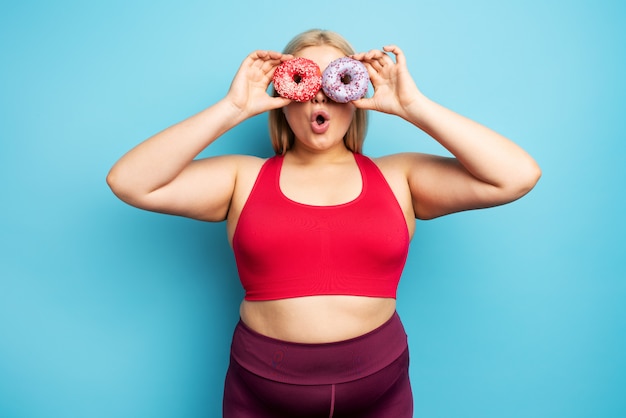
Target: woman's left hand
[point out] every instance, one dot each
(394, 89)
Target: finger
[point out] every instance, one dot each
(265, 61)
(379, 59)
(366, 103)
(270, 66)
(374, 54)
(278, 56)
(376, 65)
(374, 73)
(259, 54)
(395, 50)
(278, 102)
(358, 56)
(271, 56)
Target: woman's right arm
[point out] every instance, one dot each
(162, 175)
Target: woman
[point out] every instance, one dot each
(320, 232)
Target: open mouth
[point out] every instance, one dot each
(319, 121)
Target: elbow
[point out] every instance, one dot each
(525, 180)
(532, 176)
(112, 180)
(119, 187)
(124, 186)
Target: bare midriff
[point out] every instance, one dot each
(317, 319)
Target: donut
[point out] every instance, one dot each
(298, 79)
(345, 79)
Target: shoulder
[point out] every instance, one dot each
(231, 173)
(413, 165)
(247, 169)
(232, 166)
(412, 169)
(233, 160)
(401, 163)
(402, 159)
(394, 167)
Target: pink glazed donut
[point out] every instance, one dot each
(298, 79)
(345, 79)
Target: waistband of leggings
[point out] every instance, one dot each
(326, 363)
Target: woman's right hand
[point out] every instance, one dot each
(248, 90)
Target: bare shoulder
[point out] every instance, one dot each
(395, 170)
(403, 162)
(418, 180)
(414, 167)
(204, 189)
(249, 164)
(248, 168)
(242, 170)
(232, 168)
(236, 162)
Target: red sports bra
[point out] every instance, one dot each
(285, 249)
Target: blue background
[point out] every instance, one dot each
(109, 311)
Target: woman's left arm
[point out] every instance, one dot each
(487, 169)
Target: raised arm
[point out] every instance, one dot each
(162, 175)
(487, 169)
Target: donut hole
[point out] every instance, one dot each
(346, 79)
(297, 78)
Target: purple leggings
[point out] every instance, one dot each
(363, 377)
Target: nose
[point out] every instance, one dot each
(319, 98)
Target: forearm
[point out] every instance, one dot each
(158, 160)
(484, 153)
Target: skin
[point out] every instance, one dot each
(162, 175)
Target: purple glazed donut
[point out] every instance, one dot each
(345, 79)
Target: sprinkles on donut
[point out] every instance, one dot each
(345, 79)
(298, 79)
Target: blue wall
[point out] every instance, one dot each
(108, 311)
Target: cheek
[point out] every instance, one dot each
(291, 117)
(345, 114)
(298, 122)
(293, 112)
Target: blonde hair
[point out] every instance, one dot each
(280, 133)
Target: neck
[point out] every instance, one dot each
(308, 156)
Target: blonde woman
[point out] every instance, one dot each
(321, 232)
